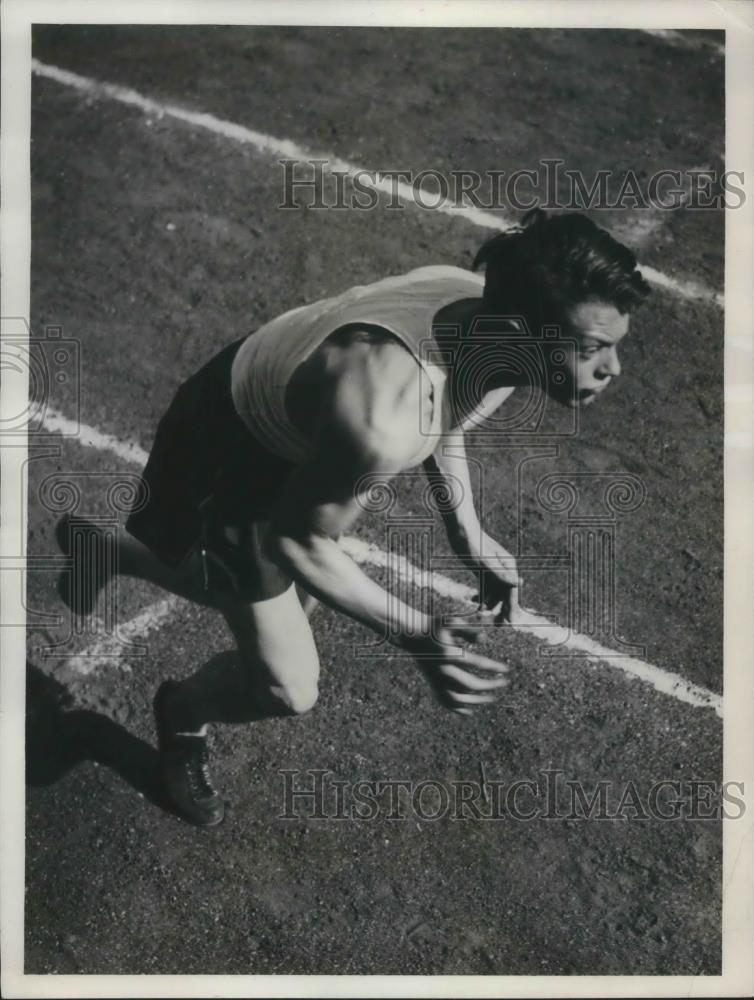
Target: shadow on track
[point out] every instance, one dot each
(58, 738)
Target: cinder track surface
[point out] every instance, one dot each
(154, 244)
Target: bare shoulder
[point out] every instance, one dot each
(371, 349)
(372, 392)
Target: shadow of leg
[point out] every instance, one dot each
(223, 691)
(49, 754)
(58, 738)
(92, 736)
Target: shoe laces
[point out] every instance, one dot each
(197, 771)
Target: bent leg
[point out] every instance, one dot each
(93, 569)
(274, 672)
(277, 651)
(276, 667)
(135, 559)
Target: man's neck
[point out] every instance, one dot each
(454, 334)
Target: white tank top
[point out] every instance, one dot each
(404, 305)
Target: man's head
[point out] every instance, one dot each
(566, 272)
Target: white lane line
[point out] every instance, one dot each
(686, 289)
(365, 553)
(664, 681)
(90, 437)
(263, 143)
(684, 40)
(270, 145)
(109, 651)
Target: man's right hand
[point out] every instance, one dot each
(442, 655)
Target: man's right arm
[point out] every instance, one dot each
(361, 434)
(357, 438)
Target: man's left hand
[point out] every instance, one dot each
(499, 581)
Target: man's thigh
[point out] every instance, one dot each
(234, 564)
(276, 647)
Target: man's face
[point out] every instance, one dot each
(592, 362)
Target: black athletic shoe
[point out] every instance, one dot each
(184, 767)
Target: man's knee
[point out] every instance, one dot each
(283, 695)
(299, 697)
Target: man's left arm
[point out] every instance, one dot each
(448, 471)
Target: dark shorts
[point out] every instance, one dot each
(209, 484)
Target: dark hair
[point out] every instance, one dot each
(549, 264)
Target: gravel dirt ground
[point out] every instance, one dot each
(154, 244)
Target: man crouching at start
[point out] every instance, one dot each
(262, 459)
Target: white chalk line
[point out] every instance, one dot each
(270, 145)
(90, 437)
(683, 40)
(109, 651)
(664, 681)
(263, 143)
(105, 651)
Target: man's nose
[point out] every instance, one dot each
(610, 364)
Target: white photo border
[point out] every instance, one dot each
(736, 18)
